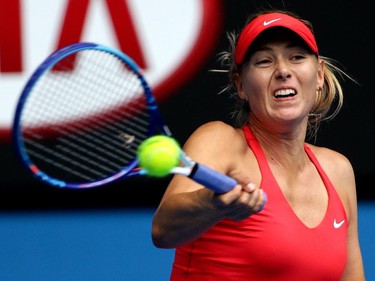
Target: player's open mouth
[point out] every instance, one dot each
(284, 93)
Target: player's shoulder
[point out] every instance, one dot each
(331, 160)
(215, 126)
(217, 129)
(216, 134)
(340, 171)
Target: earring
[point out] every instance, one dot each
(245, 105)
(318, 93)
(317, 99)
(313, 115)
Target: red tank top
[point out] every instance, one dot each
(271, 245)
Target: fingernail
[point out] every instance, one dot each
(251, 186)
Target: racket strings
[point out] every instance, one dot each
(58, 164)
(85, 118)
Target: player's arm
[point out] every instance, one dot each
(354, 270)
(342, 176)
(187, 209)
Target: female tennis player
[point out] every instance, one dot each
(307, 230)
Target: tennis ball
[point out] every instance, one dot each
(158, 155)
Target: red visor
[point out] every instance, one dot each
(266, 21)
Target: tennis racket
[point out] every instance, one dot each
(82, 115)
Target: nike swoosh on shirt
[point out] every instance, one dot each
(265, 23)
(338, 224)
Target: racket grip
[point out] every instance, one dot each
(212, 179)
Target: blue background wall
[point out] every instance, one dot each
(105, 245)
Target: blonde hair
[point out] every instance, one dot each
(329, 98)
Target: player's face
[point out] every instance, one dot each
(280, 82)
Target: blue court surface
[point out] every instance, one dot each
(105, 245)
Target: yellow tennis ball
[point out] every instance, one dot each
(158, 155)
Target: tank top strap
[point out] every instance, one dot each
(323, 175)
(259, 154)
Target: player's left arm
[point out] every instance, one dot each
(354, 270)
(343, 178)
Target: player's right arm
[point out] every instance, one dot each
(187, 209)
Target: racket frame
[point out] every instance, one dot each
(157, 126)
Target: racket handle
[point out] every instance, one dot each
(212, 179)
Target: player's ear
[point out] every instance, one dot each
(320, 74)
(239, 87)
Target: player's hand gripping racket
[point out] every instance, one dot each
(83, 114)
